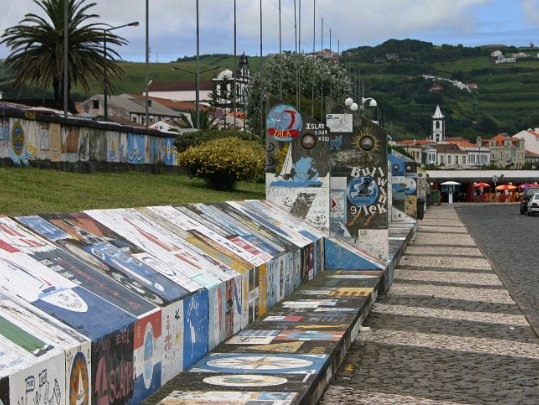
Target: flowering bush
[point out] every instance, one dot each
(224, 162)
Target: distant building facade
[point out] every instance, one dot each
(505, 152)
(531, 138)
(127, 107)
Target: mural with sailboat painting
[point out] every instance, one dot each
(297, 171)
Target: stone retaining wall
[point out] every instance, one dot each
(81, 145)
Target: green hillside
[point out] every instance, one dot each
(506, 100)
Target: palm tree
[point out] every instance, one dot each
(36, 44)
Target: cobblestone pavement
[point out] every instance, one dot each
(511, 242)
(448, 331)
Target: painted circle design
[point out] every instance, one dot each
(245, 380)
(410, 186)
(17, 138)
(78, 381)
(363, 191)
(367, 143)
(284, 123)
(147, 371)
(308, 141)
(259, 363)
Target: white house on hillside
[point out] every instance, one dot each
(531, 139)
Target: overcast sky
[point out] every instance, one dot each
(352, 22)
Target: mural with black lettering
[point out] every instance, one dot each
(112, 368)
(359, 181)
(297, 164)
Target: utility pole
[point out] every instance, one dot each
(261, 78)
(296, 51)
(197, 76)
(280, 54)
(147, 66)
(314, 49)
(299, 50)
(235, 91)
(66, 58)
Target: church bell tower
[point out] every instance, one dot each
(438, 126)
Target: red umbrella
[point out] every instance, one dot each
(506, 187)
(481, 185)
(526, 185)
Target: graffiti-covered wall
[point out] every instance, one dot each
(359, 183)
(404, 176)
(105, 306)
(30, 139)
(297, 171)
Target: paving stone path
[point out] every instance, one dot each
(448, 331)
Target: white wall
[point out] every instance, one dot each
(204, 95)
(531, 142)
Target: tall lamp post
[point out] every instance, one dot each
(105, 31)
(66, 57)
(147, 65)
(369, 102)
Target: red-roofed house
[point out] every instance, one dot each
(532, 158)
(181, 90)
(414, 147)
(505, 152)
(478, 155)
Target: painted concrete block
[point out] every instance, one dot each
(297, 163)
(147, 356)
(341, 256)
(15, 236)
(41, 337)
(195, 336)
(113, 367)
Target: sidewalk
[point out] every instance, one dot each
(447, 332)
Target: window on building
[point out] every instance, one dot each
(456, 160)
(449, 160)
(95, 104)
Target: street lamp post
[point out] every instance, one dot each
(66, 51)
(105, 31)
(369, 102)
(147, 66)
(197, 76)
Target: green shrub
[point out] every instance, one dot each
(190, 139)
(224, 162)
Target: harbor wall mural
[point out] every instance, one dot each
(106, 306)
(32, 139)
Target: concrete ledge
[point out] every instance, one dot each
(291, 354)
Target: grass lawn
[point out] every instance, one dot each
(32, 191)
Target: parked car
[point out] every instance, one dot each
(533, 205)
(526, 195)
